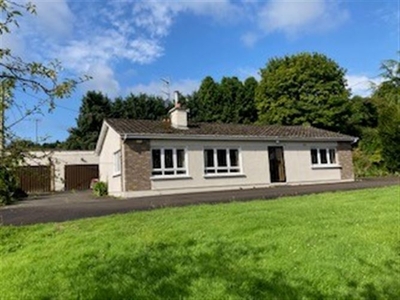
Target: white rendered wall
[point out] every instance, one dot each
(255, 165)
(112, 144)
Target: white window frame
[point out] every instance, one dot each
(117, 163)
(328, 157)
(175, 170)
(228, 168)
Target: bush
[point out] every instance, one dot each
(8, 186)
(100, 189)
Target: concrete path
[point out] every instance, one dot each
(70, 206)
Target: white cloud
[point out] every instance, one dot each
(54, 17)
(13, 42)
(102, 80)
(296, 17)
(361, 85)
(249, 39)
(184, 86)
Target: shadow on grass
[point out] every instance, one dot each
(213, 270)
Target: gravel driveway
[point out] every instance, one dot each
(59, 207)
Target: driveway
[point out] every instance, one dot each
(61, 207)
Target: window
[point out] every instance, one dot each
(221, 161)
(117, 163)
(168, 162)
(323, 156)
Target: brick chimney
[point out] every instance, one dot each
(178, 115)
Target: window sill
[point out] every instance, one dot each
(224, 175)
(170, 177)
(116, 174)
(317, 167)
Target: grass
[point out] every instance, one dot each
(343, 245)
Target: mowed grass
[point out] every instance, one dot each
(343, 245)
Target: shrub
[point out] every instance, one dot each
(8, 185)
(100, 189)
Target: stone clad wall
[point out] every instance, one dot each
(346, 160)
(137, 165)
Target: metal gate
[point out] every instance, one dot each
(34, 178)
(78, 177)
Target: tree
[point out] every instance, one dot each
(387, 99)
(364, 114)
(303, 89)
(144, 107)
(231, 91)
(20, 76)
(209, 104)
(248, 110)
(94, 109)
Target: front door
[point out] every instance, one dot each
(276, 164)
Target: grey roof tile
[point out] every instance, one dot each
(147, 127)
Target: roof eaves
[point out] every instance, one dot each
(233, 137)
(102, 136)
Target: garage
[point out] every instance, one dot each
(34, 179)
(79, 177)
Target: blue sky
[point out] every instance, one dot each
(128, 46)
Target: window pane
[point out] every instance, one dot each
(156, 158)
(156, 173)
(222, 170)
(209, 158)
(210, 171)
(180, 153)
(221, 158)
(332, 156)
(314, 156)
(168, 159)
(234, 157)
(324, 158)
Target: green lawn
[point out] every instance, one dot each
(329, 246)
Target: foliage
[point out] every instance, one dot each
(20, 76)
(340, 245)
(94, 109)
(303, 89)
(387, 100)
(142, 106)
(367, 157)
(248, 111)
(229, 101)
(100, 189)
(364, 114)
(8, 185)
(209, 101)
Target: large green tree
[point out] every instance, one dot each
(387, 99)
(305, 88)
(248, 110)
(364, 114)
(142, 106)
(210, 107)
(228, 101)
(231, 93)
(94, 109)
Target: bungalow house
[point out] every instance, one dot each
(141, 157)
